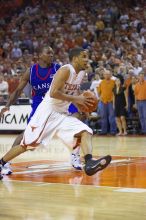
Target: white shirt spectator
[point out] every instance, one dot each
(142, 40)
(113, 78)
(16, 52)
(3, 86)
(143, 30)
(94, 85)
(124, 18)
(137, 70)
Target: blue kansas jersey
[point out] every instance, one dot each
(40, 81)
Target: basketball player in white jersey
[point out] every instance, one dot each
(51, 118)
(39, 77)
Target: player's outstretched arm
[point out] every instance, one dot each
(13, 97)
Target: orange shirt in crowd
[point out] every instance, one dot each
(140, 91)
(13, 83)
(127, 82)
(105, 90)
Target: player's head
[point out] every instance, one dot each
(79, 57)
(46, 55)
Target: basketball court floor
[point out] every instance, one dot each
(44, 186)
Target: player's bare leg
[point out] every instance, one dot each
(6, 169)
(14, 152)
(18, 139)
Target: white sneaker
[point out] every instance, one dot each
(6, 169)
(76, 162)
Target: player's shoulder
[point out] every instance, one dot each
(34, 65)
(66, 67)
(65, 70)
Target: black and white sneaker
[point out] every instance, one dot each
(93, 166)
(76, 162)
(1, 176)
(6, 169)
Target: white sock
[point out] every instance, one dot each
(76, 150)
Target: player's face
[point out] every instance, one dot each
(83, 60)
(47, 55)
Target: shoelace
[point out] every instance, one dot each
(76, 157)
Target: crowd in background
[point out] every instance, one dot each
(114, 33)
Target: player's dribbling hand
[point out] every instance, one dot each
(3, 110)
(84, 101)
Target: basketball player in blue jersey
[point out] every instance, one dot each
(39, 76)
(40, 79)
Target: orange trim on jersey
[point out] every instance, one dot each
(34, 144)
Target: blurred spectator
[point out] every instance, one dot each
(131, 96)
(3, 86)
(3, 90)
(105, 91)
(95, 83)
(140, 94)
(120, 106)
(128, 78)
(16, 52)
(13, 82)
(99, 27)
(137, 68)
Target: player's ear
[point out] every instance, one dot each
(75, 59)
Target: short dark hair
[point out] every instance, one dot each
(75, 52)
(43, 48)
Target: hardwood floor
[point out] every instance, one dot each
(44, 186)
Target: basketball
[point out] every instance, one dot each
(88, 108)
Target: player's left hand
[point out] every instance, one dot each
(3, 110)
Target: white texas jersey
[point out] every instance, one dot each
(71, 87)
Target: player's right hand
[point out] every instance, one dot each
(3, 110)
